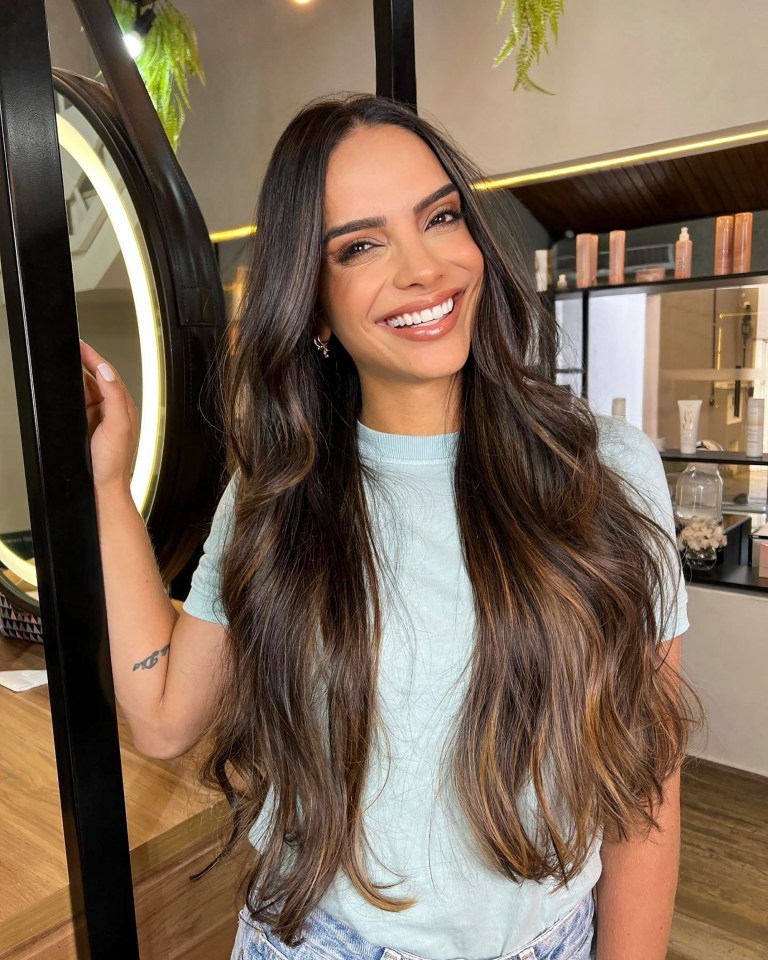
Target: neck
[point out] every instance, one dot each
(413, 409)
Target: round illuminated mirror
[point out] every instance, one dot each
(127, 311)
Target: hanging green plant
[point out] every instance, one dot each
(169, 56)
(530, 22)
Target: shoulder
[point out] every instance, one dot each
(632, 454)
(225, 510)
(627, 449)
(622, 445)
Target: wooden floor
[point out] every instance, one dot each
(721, 911)
(722, 902)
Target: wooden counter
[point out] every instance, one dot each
(173, 829)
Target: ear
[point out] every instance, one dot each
(322, 328)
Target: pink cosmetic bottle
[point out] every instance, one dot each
(582, 259)
(723, 246)
(683, 255)
(593, 253)
(616, 246)
(742, 243)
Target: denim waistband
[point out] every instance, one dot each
(569, 938)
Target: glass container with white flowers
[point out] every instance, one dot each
(699, 515)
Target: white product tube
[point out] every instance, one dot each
(689, 424)
(755, 426)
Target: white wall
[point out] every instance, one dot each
(263, 62)
(724, 656)
(623, 73)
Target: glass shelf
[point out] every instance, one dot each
(714, 456)
(661, 286)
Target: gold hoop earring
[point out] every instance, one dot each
(322, 345)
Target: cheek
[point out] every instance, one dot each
(349, 297)
(474, 258)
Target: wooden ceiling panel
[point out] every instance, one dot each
(644, 194)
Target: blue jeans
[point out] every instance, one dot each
(326, 938)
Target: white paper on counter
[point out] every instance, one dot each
(20, 680)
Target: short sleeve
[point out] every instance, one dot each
(633, 455)
(204, 597)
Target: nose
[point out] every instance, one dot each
(416, 264)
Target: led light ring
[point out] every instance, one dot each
(142, 288)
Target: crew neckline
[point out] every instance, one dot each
(399, 446)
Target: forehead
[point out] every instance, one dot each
(378, 171)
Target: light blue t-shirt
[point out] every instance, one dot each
(413, 821)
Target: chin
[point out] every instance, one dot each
(437, 369)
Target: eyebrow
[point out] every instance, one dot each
(370, 223)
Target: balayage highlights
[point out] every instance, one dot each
(566, 694)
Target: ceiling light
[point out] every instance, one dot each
(134, 40)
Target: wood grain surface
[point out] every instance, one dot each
(174, 828)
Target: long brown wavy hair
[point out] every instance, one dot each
(566, 689)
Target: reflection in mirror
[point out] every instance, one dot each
(713, 347)
(707, 344)
(118, 313)
(569, 362)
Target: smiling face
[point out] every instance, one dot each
(397, 249)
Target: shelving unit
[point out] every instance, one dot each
(665, 286)
(740, 576)
(715, 456)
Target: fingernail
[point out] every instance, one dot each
(105, 371)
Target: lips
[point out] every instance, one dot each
(431, 331)
(416, 306)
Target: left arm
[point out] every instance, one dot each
(636, 890)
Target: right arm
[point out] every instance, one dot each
(166, 665)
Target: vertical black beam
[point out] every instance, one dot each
(585, 343)
(395, 53)
(42, 321)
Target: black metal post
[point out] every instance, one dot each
(395, 52)
(42, 320)
(585, 343)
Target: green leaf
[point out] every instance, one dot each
(168, 59)
(530, 23)
(509, 46)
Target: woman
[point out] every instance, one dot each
(435, 634)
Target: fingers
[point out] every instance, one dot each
(109, 385)
(92, 393)
(97, 366)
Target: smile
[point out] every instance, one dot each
(423, 316)
(427, 325)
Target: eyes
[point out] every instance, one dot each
(446, 217)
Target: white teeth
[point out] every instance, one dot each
(425, 316)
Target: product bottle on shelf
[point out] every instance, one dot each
(742, 243)
(583, 258)
(619, 408)
(616, 246)
(723, 246)
(683, 255)
(594, 240)
(755, 426)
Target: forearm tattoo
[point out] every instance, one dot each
(148, 662)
